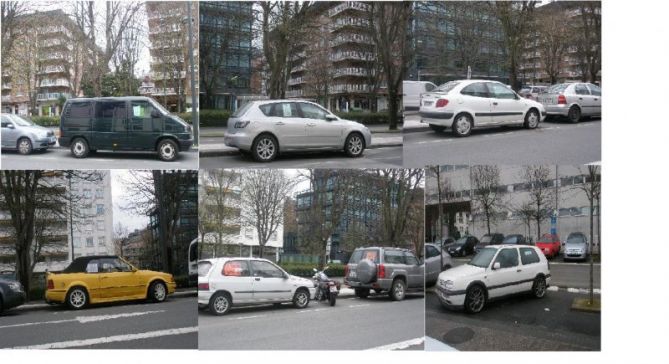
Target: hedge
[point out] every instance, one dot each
(367, 118)
(214, 118)
(306, 270)
(46, 120)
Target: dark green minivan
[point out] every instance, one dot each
(131, 123)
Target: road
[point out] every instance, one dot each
(552, 142)
(387, 157)
(135, 325)
(61, 158)
(352, 324)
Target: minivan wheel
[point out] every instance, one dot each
(157, 292)
(25, 146)
(398, 290)
(539, 287)
(219, 304)
(574, 114)
(301, 299)
(462, 125)
(77, 298)
(475, 299)
(531, 119)
(354, 145)
(264, 148)
(168, 150)
(79, 148)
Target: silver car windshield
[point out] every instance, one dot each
(483, 257)
(20, 121)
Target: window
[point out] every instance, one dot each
(311, 111)
(110, 115)
(265, 269)
(236, 268)
(89, 242)
(410, 259)
(528, 256)
(203, 268)
(580, 89)
(100, 209)
(101, 241)
(141, 116)
(92, 266)
(393, 257)
(79, 110)
(507, 258)
(76, 242)
(499, 91)
(431, 251)
(281, 110)
(110, 265)
(99, 193)
(360, 254)
(477, 89)
(595, 90)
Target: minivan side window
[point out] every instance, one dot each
(110, 116)
(141, 116)
(79, 110)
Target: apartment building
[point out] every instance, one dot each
(92, 228)
(134, 248)
(169, 79)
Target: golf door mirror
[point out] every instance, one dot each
(330, 117)
(11, 126)
(496, 266)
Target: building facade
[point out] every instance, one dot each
(92, 228)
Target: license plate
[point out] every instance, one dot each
(428, 103)
(353, 274)
(333, 289)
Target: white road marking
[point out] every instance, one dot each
(85, 319)
(110, 339)
(362, 305)
(400, 345)
(247, 317)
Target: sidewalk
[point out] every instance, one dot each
(412, 122)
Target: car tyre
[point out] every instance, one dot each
(574, 114)
(24, 146)
(157, 292)
(362, 292)
(77, 298)
(398, 290)
(462, 125)
(168, 150)
(79, 148)
(532, 119)
(264, 148)
(220, 303)
(475, 299)
(539, 287)
(437, 128)
(301, 298)
(354, 145)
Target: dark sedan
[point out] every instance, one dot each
(516, 239)
(490, 239)
(463, 246)
(11, 293)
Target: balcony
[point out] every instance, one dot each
(52, 96)
(7, 98)
(159, 76)
(54, 30)
(55, 83)
(346, 6)
(349, 22)
(51, 69)
(155, 91)
(353, 71)
(351, 38)
(359, 56)
(296, 81)
(53, 57)
(6, 86)
(350, 88)
(294, 93)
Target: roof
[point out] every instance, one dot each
(119, 98)
(79, 264)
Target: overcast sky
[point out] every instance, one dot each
(119, 199)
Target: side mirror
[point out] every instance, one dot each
(11, 126)
(330, 117)
(496, 266)
(315, 270)
(155, 113)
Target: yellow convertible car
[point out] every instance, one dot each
(108, 278)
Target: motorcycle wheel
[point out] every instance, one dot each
(333, 299)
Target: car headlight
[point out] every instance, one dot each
(447, 284)
(15, 286)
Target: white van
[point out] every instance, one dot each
(411, 91)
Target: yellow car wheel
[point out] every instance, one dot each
(157, 291)
(77, 298)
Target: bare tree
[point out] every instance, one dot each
(11, 13)
(541, 192)
(220, 212)
(485, 191)
(264, 192)
(120, 235)
(592, 189)
(399, 192)
(318, 72)
(27, 65)
(553, 42)
(588, 38)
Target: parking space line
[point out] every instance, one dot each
(400, 345)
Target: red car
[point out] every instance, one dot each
(549, 244)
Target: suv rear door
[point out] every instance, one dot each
(358, 255)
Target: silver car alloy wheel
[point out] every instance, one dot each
(24, 146)
(532, 120)
(159, 292)
(265, 148)
(476, 299)
(399, 290)
(540, 288)
(221, 304)
(302, 299)
(355, 145)
(462, 125)
(77, 298)
(79, 148)
(167, 151)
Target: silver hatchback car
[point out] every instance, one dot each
(266, 128)
(572, 100)
(24, 135)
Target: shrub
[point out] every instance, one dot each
(46, 120)
(306, 269)
(214, 118)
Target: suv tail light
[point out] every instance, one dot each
(203, 286)
(346, 270)
(441, 103)
(562, 100)
(50, 284)
(382, 271)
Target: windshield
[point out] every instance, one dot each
(447, 87)
(461, 241)
(560, 87)
(483, 257)
(486, 239)
(576, 239)
(18, 120)
(203, 268)
(242, 110)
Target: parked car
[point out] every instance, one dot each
(130, 123)
(433, 263)
(384, 269)
(448, 242)
(467, 104)
(106, 278)
(494, 272)
(572, 100)
(23, 135)
(532, 92)
(412, 91)
(227, 282)
(489, 239)
(550, 245)
(516, 239)
(464, 246)
(12, 293)
(576, 247)
(267, 128)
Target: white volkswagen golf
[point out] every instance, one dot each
(467, 104)
(267, 128)
(494, 272)
(224, 282)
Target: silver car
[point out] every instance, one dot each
(433, 263)
(266, 128)
(576, 247)
(572, 100)
(23, 135)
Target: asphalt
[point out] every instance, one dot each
(352, 324)
(132, 325)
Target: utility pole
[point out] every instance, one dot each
(194, 97)
(441, 220)
(69, 194)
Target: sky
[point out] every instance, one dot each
(119, 199)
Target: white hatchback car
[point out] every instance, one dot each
(494, 272)
(224, 282)
(266, 128)
(467, 104)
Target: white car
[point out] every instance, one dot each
(494, 272)
(224, 282)
(411, 91)
(467, 104)
(267, 128)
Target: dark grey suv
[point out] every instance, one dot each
(385, 270)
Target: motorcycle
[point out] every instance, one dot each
(326, 288)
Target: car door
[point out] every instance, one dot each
(144, 126)
(92, 279)
(507, 107)
(415, 271)
(116, 279)
(432, 263)
(584, 99)
(285, 120)
(109, 125)
(9, 133)
(596, 94)
(503, 281)
(269, 282)
(530, 267)
(475, 97)
(322, 132)
(235, 277)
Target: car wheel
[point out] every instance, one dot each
(574, 114)
(79, 148)
(264, 148)
(301, 298)
(24, 146)
(475, 299)
(77, 298)
(539, 287)
(532, 119)
(462, 125)
(354, 145)
(220, 304)
(437, 128)
(398, 290)
(157, 291)
(168, 150)
(362, 292)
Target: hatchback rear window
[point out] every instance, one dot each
(360, 254)
(203, 268)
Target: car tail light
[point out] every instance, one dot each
(203, 286)
(50, 284)
(242, 124)
(346, 270)
(441, 103)
(562, 100)
(382, 271)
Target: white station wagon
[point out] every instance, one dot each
(494, 272)
(224, 282)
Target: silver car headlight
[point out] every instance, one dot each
(447, 284)
(15, 287)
